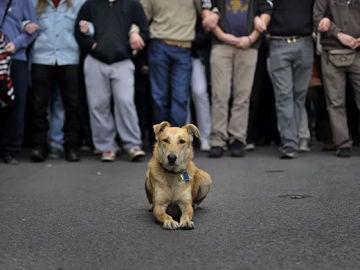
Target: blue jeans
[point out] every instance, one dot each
(12, 121)
(170, 70)
(56, 118)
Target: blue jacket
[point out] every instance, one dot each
(56, 42)
(19, 11)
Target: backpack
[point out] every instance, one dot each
(7, 94)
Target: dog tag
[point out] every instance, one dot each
(185, 177)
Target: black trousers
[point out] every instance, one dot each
(43, 79)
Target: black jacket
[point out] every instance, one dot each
(292, 18)
(112, 22)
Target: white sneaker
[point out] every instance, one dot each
(135, 154)
(204, 145)
(304, 145)
(250, 147)
(108, 156)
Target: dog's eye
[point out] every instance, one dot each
(165, 140)
(182, 141)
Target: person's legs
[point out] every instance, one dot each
(243, 78)
(13, 120)
(159, 67)
(221, 62)
(302, 69)
(56, 120)
(280, 71)
(334, 84)
(354, 78)
(126, 119)
(42, 84)
(201, 102)
(69, 86)
(98, 91)
(180, 77)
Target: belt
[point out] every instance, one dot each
(288, 39)
(180, 44)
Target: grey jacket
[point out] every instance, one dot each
(344, 15)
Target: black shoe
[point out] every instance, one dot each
(10, 159)
(288, 153)
(38, 155)
(215, 152)
(343, 152)
(237, 149)
(71, 155)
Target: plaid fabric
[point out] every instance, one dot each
(7, 95)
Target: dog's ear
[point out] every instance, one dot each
(193, 130)
(160, 127)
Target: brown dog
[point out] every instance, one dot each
(173, 182)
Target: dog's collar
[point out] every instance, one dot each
(183, 174)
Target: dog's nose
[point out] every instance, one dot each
(171, 158)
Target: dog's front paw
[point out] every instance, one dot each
(187, 225)
(171, 225)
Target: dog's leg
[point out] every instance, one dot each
(202, 184)
(160, 215)
(187, 211)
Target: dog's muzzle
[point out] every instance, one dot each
(171, 159)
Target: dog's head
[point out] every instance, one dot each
(173, 147)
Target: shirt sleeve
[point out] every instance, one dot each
(23, 40)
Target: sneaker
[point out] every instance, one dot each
(108, 156)
(237, 149)
(343, 152)
(10, 159)
(288, 153)
(304, 145)
(215, 152)
(249, 147)
(136, 154)
(204, 145)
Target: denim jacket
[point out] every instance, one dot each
(56, 42)
(18, 12)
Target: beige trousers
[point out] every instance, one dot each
(335, 79)
(232, 76)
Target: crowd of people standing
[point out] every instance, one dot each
(244, 71)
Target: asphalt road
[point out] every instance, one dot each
(261, 213)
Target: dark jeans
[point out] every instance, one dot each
(43, 79)
(170, 75)
(12, 120)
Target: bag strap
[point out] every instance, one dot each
(5, 13)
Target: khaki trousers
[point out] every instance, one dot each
(335, 79)
(232, 76)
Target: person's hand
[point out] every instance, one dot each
(348, 40)
(210, 21)
(243, 42)
(324, 25)
(136, 42)
(358, 42)
(31, 28)
(84, 26)
(145, 69)
(259, 24)
(10, 48)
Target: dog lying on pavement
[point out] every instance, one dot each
(173, 182)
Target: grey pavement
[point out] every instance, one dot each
(261, 213)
